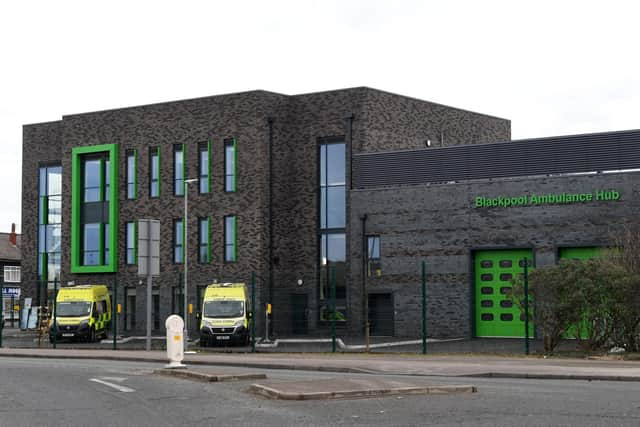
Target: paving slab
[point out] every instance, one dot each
(350, 389)
(208, 375)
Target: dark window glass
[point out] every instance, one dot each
(130, 309)
(105, 233)
(506, 317)
(178, 241)
(230, 238)
(178, 170)
(154, 172)
(486, 303)
(486, 317)
(505, 290)
(203, 240)
(486, 290)
(486, 277)
(131, 174)
(486, 263)
(229, 165)
(506, 277)
(505, 263)
(333, 256)
(506, 303)
(203, 167)
(155, 310)
(131, 243)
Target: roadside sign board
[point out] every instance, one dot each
(148, 247)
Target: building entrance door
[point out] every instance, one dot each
(299, 314)
(381, 314)
(496, 314)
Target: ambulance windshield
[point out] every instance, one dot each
(73, 308)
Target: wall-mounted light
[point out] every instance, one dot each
(299, 282)
(427, 143)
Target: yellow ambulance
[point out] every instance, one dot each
(225, 315)
(83, 312)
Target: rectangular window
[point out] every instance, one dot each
(178, 241)
(154, 172)
(230, 165)
(49, 222)
(94, 214)
(131, 243)
(131, 174)
(178, 170)
(332, 232)
(230, 249)
(373, 256)
(204, 250)
(11, 274)
(204, 150)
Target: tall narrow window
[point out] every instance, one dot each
(154, 172)
(230, 167)
(94, 209)
(178, 170)
(131, 243)
(49, 222)
(230, 249)
(204, 149)
(131, 174)
(178, 241)
(332, 233)
(204, 250)
(373, 256)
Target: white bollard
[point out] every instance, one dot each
(175, 346)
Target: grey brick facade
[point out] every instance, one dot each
(277, 198)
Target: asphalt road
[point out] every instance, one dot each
(55, 392)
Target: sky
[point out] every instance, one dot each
(551, 67)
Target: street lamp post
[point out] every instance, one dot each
(186, 256)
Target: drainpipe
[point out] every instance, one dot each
(270, 215)
(365, 299)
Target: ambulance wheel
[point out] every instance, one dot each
(92, 335)
(204, 341)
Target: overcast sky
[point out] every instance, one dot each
(551, 67)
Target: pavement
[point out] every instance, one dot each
(390, 364)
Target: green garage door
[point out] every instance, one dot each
(496, 316)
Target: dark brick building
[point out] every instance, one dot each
(272, 195)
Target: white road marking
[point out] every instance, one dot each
(116, 386)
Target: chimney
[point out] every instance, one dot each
(12, 236)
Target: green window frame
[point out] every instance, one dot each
(204, 240)
(179, 167)
(108, 264)
(230, 165)
(230, 238)
(132, 243)
(178, 241)
(132, 161)
(154, 180)
(204, 170)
